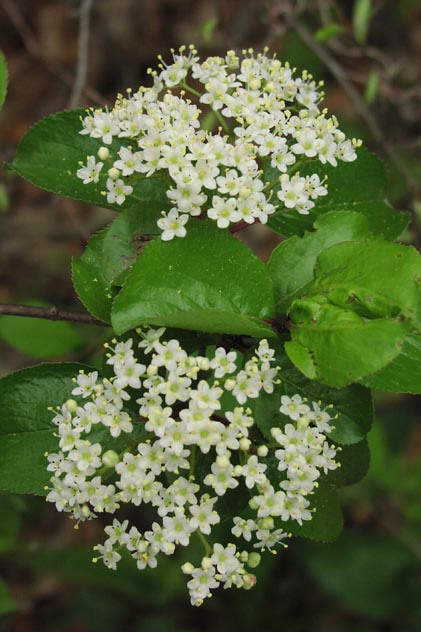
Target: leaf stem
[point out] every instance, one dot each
(218, 115)
(192, 461)
(204, 541)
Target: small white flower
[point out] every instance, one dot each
(117, 191)
(172, 225)
(243, 528)
(253, 472)
(293, 407)
(203, 515)
(177, 528)
(91, 172)
(108, 555)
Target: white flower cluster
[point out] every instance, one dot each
(270, 123)
(190, 441)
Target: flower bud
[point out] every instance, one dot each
(252, 504)
(254, 559)
(244, 556)
(238, 470)
(187, 568)
(222, 461)
(113, 173)
(86, 511)
(245, 444)
(71, 405)
(110, 458)
(103, 153)
(266, 523)
(206, 563)
(262, 450)
(249, 581)
(152, 370)
(303, 423)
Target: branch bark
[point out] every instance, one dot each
(289, 14)
(82, 56)
(49, 313)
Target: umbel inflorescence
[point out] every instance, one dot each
(191, 439)
(270, 123)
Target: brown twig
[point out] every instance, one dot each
(286, 11)
(49, 313)
(82, 52)
(235, 228)
(33, 48)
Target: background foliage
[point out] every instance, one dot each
(369, 579)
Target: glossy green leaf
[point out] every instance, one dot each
(375, 279)
(339, 347)
(38, 338)
(363, 303)
(351, 407)
(3, 79)
(27, 400)
(88, 279)
(403, 374)
(358, 186)
(207, 281)
(327, 521)
(354, 463)
(49, 156)
(26, 431)
(124, 241)
(291, 264)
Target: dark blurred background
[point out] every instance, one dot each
(369, 55)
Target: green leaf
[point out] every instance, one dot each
(354, 460)
(4, 76)
(367, 197)
(39, 338)
(49, 156)
(26, 430)
(338, 347)
(328, 31)
(207, 29)
(351, 406)
(291, 264)
(88, 279)
(372, 87)
(7, 604)
(74, 564)
(27, 398)
(124, 240)
(366, 572)
(362, 305)
(375, 279)
(327, 522)
(403, 374)
(361, 19)
(207, 281)
(227, 506)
